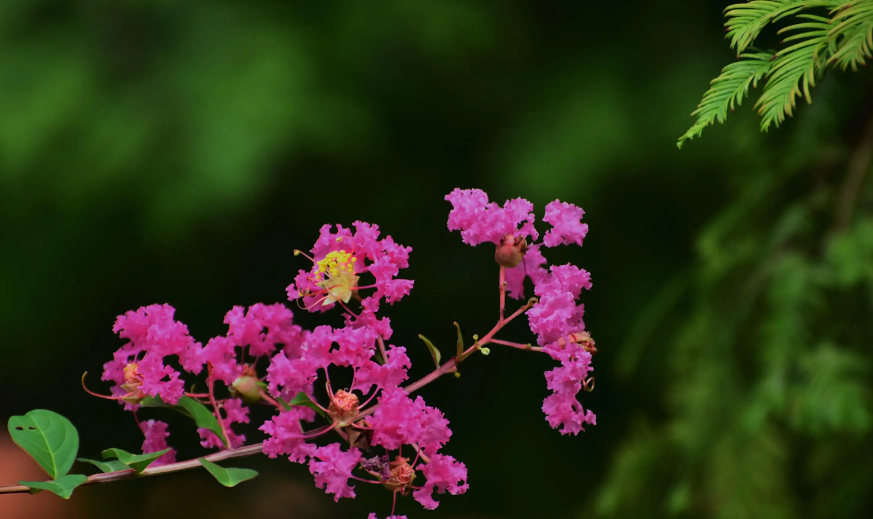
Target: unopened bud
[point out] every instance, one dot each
(510, 251)
(247, 388)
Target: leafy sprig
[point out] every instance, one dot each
(842, 39)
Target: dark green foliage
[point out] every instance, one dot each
(768, 388)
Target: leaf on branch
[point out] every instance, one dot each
(728, 91)
(191, 408)
(49, 438)
(794, 70)
(853, 32)
(302, 399)
(105, 466)
(434, 351)
(138, 462)
(460, 342)
(62, 486)
(228, 477)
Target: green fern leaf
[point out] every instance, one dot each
(727, 90)
(794, 70)
(853, 26)
(746, 21)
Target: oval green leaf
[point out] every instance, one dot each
(106, 466)
(228, 477)
(62, 486)
(49, 438)
(137, 462)
(191, 408)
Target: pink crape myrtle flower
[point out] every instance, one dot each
(566, 227)
(286, 436)
(399, 421)
(562, 409)
(260, 329)
(556, 317)
(332, 469)
(138, 368)
(340, 259)
(156, 435)
(443, 474)
(481, 221)
(373, 516)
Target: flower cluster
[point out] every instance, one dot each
(384, 434)
(556, 319)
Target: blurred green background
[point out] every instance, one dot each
(159, 151)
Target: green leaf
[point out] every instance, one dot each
(460, 342)
(105, 466)
(727, 91)
(137, 462)
(746, 21)
(302, 399)
(191, 408)
(794, 71)
(62, 486)
(853, 26)
(228, 477)
(434, 352)
(49, 438)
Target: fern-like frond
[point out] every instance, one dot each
(728, 90)
(794, 70)
(746, 21)
(853, 30)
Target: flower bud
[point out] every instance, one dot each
(401, 475)
(343, 407)
(510, 251)
(582, 339)
(247, 388)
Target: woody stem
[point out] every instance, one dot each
(211, 383)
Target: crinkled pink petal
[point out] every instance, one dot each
(333, 468)
(566, 226)
(397, 420)
(286, 435)
(482, 221)
(564, 411)
(531, 266)
(443, 474)
(220, 352)
(356, 345)
(387, 375)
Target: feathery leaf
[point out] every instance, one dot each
(746, 21)
(794, 70)
(727, 90)
(853, 25)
